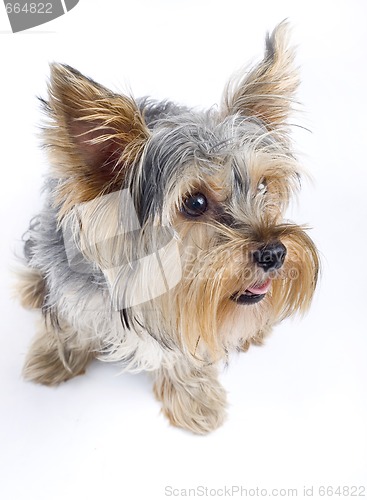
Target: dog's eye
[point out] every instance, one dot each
(195, 205)
(262, 187)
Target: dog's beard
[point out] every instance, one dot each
(193, 295)
(209, 297)
(174, 265)
(195, 285)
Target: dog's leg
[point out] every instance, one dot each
(57, 354)
(192, 397)
(30, 288)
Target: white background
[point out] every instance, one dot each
(298, 406)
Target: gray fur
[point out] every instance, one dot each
(117, 192)
(185, 138)
(179, 138)
(44, 250)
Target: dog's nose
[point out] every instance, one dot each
(270, 256)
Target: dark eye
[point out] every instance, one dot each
(195, 205)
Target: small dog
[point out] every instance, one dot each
(162, 243)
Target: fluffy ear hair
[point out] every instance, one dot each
(267, 90)
(94, 136)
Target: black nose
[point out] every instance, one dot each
(271, 256)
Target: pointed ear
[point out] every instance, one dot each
(267, 90)
(95, 136)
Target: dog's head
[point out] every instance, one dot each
(204, 193)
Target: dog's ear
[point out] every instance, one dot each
(267, 90)
(94, 137)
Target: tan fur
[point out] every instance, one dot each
(56, 355)
(181, 319)
(30, 288)
(212, 275)
(91, 126)
(268, 90)
(192, 398)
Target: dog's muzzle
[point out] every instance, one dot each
(271, 256)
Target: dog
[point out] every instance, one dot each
(163, 243)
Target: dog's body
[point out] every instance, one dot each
(162, 243)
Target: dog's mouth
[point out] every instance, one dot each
(253, 294)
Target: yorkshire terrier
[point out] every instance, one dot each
(162, 243)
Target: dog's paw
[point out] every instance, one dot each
(49, 363)
(197, 405)
(30, 288)
(45, 367)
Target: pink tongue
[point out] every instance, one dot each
(261, 289)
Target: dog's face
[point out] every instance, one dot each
(243, 267)
(211, 188)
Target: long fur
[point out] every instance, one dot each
(122, 273)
